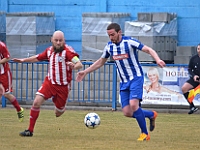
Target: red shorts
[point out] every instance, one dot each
(6, 81)
(59, 93)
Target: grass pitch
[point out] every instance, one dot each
(116, 132)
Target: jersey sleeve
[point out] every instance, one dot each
(106, 54)
(71, 53)
(4, 50)
(136, 43)
(43, 56)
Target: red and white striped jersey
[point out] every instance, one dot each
(59, 72)
(4, 53)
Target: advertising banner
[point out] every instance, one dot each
(163, 85)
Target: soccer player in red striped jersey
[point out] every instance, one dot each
(62, 59)
(6, 80)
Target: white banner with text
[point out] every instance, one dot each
(163, 85)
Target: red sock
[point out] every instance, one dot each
(34, 113)
(16, 105)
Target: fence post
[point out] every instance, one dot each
(114, 91)
(3, 101)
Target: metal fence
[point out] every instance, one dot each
(98, 88)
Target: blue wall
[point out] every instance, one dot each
(68, 14)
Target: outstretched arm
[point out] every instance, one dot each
(4, 60)
(29, 59)
(97, 64)
(150, 51)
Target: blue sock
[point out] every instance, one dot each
(139, 116)
(148, 113)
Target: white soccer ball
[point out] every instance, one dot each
(92, 120)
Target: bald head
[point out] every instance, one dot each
(58, 41)
(58, 34)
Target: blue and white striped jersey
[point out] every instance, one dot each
(126, 57)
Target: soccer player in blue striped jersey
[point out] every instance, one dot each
(123, 50)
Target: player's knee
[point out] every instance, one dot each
(36, 103)
(59, 112)
(127, 113)
(134, 107)
(5, 95)
(184, 90)
(9, 96)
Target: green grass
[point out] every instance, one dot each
(116, 132)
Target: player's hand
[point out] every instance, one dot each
(161, 63)
(70, 64)
(196, 78)
(18, 60)
(80, 76)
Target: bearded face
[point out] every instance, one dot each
(58, 49)
(58, 41)
(114, 36)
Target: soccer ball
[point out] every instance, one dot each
(92, 120)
